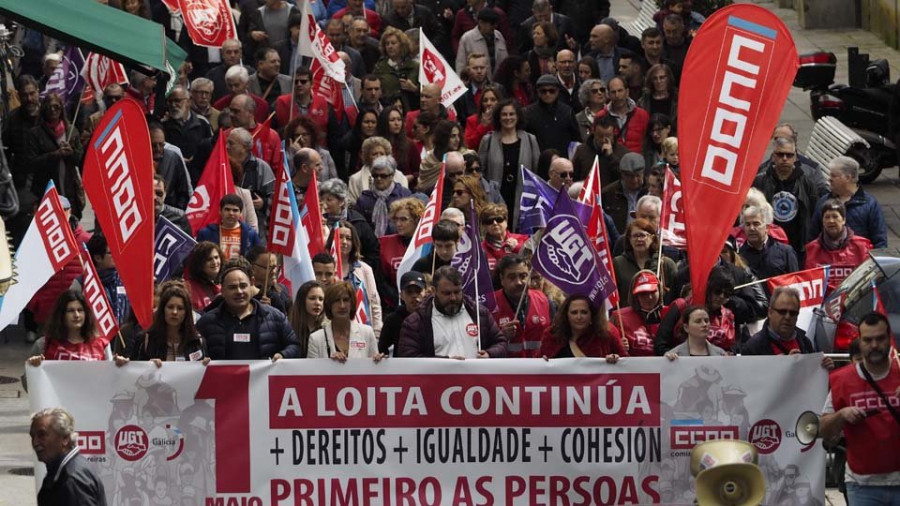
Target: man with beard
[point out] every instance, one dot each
(241, 328)
(523, 317)
(160, 208)
(412, 290)
(201, 101)
(447, 324)
(168, 163)
(863, 404)
(184, 128)
(18, 123)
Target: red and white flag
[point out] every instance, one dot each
(672, 216)
(596, 226)
(172, 6)
(286, 233)
(421, 240)
(812, 285)
(215, 183)
(315, 44)
(118, 180)
(95, 295)
(47, 247)
(311, 217)
(336, 252)
(100, 71)
(362, 307)
(209, 22)
(748, 60)
(434, 70)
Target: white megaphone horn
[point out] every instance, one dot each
(807, 429)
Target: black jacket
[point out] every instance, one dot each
(390, 330)
(188, 136)
(794, 206)
(774, 259)
(417, 334)
(77, 485)
(554, 125)
(760, 343)
(274, 334)
(748, 303)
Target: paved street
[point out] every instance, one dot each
(15, 451)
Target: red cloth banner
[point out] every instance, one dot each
(215, 183)
(95, 295)
(118, 179)
(100, 71)
(311, 217)
(281, 234)
(672, 217)
(748, 60)
(596, 226)
(209, 22)
(811, 284)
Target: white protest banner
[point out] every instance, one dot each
(429, 431)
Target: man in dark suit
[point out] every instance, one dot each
(542, 11)
(69, 480)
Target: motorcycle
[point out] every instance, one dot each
(863, 105)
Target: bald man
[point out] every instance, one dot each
(602, 46)
(430, 100)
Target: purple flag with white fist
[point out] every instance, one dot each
(471, 262)
(535, 206)
(66, 80)
(566, 258)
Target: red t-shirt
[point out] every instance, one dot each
(92, 350)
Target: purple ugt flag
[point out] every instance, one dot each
(172, 246)
(535, 206)
(472, 264)
(66, 80)
(566, 257)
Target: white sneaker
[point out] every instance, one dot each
(30, 336)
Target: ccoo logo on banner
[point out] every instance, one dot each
(725, 122)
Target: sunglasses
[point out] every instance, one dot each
(496, 220)
(787, 312)
(381, 176)
(598, 91)
(783, 155)
(547, 91)
(566, 175)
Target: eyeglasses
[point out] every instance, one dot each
(793, 313)
(496, 220)
(779, 154)
(547, 91)
(381, 176)
(640, 235)
(598, 91)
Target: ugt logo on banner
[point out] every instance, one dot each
(725, 122)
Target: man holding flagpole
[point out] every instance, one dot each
(523, 314)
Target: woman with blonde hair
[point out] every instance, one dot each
(405, 215)
(467, 188)
(342, 338)
(398, 71)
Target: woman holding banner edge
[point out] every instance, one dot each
(581, 330)
(341, 338)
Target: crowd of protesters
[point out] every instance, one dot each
(568, 86)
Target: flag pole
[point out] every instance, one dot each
(260, 129)
(477, 298)
(539, 235)
(619, 320)
(659, 257)
(75, 116)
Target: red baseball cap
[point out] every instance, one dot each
(646, 282)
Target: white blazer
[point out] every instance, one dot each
(362, 342)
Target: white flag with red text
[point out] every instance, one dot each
(100, 71)
(434, 70)
(596, 226)
(671, 219)
(47, 247)
(315, 44)
(422, 243)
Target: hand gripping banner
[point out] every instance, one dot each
(748, 60)
(118, 179)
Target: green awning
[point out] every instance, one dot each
(129, 39)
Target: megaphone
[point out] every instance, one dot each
(726, 474)
(807, 429)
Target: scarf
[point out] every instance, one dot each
(59, 130)
(835, 244)
(380, 215)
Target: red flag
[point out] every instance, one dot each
(362, 307)
(672, 217)
(100, 71)
(336, 253)
(327, 88)
(311, 217)
(811, 284)
(118, 179)
(215, 183)
(259, 137)
(596, 227)
(725, 120)
(208, 22)
(97, 300)
(172, 5)
(281, 234)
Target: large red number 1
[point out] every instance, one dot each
(229, 387)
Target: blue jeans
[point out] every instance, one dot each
(872, 496)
